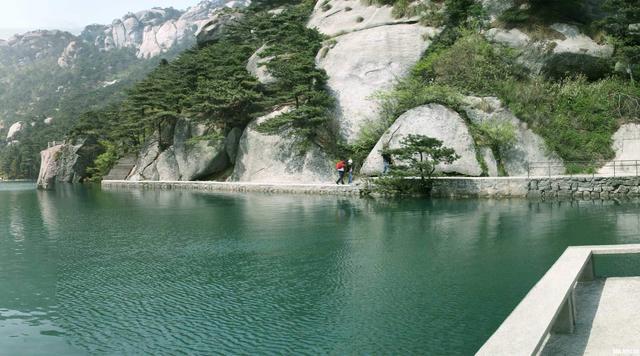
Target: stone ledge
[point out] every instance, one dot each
(556, 188)
(322, 189)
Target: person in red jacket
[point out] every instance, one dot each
(340, 167)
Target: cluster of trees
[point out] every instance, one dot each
(38, 88)
(211, 84)
(208, 84)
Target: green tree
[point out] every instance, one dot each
(417, 157)
(623, 24)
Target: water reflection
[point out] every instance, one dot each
(148, 272)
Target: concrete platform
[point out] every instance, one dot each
(607, 320)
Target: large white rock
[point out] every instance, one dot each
(529, 147)
(362, 63)
(155, 31)
(513, 38)
(14, 130)
(69, 55)
(577, 42)
(435, 121)
(256, 65)
(66, 163)
(346, 16)
(145, 167)
(626, 144)
(276, 158)
(48, 167)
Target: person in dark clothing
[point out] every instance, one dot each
(340, 166)
(350, 170)
(386, 161)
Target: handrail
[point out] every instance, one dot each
(625, 167)
(549, 305)
(56, 143)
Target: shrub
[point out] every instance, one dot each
(471, 64)
(575, 117)
(564, 65)
(104, 162)
(497, 135)
(415, 164)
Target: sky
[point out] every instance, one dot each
(24, 15)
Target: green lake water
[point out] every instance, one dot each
(85, 271)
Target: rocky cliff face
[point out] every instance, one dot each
(368, 51)
(155, 31)
(279, 158)
(186, 151)
(148, 33)
(66, 163)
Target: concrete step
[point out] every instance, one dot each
(122, 169)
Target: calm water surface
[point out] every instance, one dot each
(85, 271)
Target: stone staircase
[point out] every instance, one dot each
(122, 169)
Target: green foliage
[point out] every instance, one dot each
(621, 23)
(564, 65)
(575, 117)
(36, 89)
(210, 84)
(500, 136)
(417, 157)
(527, 13)
(483, 66)
(104, 162)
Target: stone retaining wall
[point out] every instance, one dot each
(322, 189)
(584, 187)
(579, 187)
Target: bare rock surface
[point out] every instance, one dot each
(256, 65)
(192, 155)
(66, 163)
(513, 38)
(14, 130)
(626, 144)
(363, 63)
(278, 158)
(337, 17)
(577, 42)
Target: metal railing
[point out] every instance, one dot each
(56, 143)
(584, 168)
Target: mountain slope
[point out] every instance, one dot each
(54, 76)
